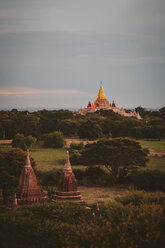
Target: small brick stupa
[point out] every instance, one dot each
(28, 191)
(67, 187)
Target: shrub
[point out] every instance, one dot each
(66, 224)
(75, 157)
(141, 197)
(23, 142)
(19, 141)
(148, 180)
(54, 140)
(97, 175)
(49, 178)
(76, 146)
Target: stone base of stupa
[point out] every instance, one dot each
(73, 196)
(31, 196)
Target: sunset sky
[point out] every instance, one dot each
(54, 53)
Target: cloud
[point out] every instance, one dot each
(17, 91)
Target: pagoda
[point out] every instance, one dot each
(28, 191)
(102, 103)
(67, 186)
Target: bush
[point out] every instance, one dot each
(76, 146)
(75, 157)
(54, 140)
(19, 141)
(89, 130)
(65, 224)
(49, 178)
(141, 197)
(148, 180)
(90, 176)
(97, 175)
(23, 142)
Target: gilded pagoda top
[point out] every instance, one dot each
(101, 94)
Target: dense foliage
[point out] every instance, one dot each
(23, 142)
(91, 176)
(150, 180)
(71, 225)
(90, 126)
(54, 140)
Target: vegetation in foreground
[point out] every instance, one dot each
(133, 221)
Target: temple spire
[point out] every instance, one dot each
(101, 94)
(67, 166)
(27, 162)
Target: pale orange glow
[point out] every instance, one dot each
(31, 91)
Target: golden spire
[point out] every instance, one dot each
(101, 94)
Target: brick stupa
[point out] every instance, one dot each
(28, 191)
(67, 186)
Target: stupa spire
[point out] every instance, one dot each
(67, 166)
(101, 94)
(27, 162)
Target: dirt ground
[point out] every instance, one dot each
(96, 194)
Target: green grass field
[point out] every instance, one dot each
(155, 163)
(49, 159)
(157, 146)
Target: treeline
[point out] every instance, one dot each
(103, 123)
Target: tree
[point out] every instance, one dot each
(54, 140)
(115, 154)
(69, 127)
(89, 130)
(19, 141)
(141, 111)
(30, 140)
(23, 142)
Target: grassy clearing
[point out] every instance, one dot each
(157, 146)
(97, 194)
(155, 163)
(48, 159)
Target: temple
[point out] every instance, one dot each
(28, 191)
(102, 103)
(67, 186)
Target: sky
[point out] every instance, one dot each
(54, 53)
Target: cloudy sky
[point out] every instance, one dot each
(54, 53)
